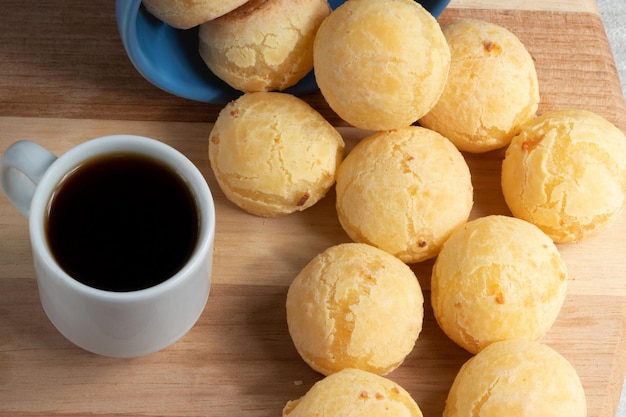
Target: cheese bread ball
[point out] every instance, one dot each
(185, 14)
(354, 306)
(273, 154)
(264, 45)
(497, 278)
(381, 64)
(354, 393)
(492, 87)
(516, 378)
(566, 173)
(404, 191)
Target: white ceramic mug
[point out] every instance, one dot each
(117, 324)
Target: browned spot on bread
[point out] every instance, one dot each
(530, 144)
(500, 298)
(492, 47)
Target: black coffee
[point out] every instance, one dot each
(122, 223)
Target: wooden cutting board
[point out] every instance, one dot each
(64, 79)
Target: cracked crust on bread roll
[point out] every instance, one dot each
(497, 278)
(273, 154)
(354, 306)
(354, 393)
(185, 14)
(381, 64)
(516, 378)
(566, 173)
(265, 45)
(404, 191)
(492, 87)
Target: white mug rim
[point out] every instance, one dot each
(132, 144)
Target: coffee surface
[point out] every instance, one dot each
(122, 223)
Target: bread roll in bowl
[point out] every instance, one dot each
(185, 14)
(264, 45)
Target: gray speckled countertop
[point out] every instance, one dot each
(613, 14)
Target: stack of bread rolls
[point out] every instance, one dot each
(404, 193)
(185, 14)
(252, 45)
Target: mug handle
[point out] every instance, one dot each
(21, 168)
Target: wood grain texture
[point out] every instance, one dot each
(532, 5)
(65, 79)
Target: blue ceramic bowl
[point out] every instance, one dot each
(169, 57)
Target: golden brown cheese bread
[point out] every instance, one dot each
(497, 278)
(566, 173)
(264, 45)
(354, 393)
(492, 87)
(272, 154)
(516, 378)
(404, 191)
(185, 14)
(381, 64)
(354, 306)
